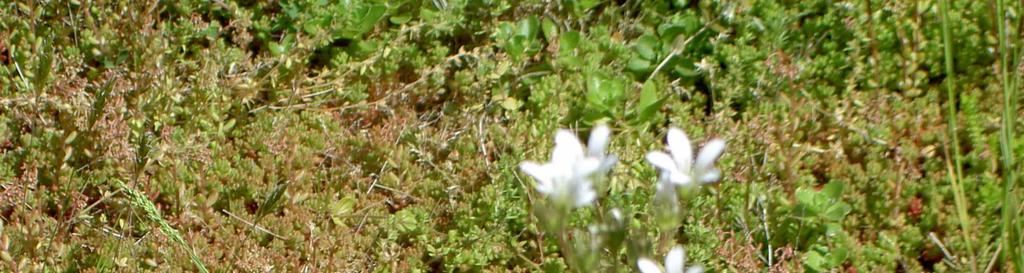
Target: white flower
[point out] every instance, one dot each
(568, 176)
(597, 144)
(676, 169)
(675, 262)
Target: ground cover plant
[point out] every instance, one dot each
(511, 136)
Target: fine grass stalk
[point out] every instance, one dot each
(1006, 137)
(956, 176)
(139, 200)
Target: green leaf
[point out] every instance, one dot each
(581, 6)
(804, 196)
(639, 66)
(277, 49)
(341, 208)
(669, 32)
(807, 199)
(314, 25)
(833, 189)
(529, 27)
(604, 95)
(686, 69)
(550, 29)
(567, 43)
(690, 23)
(273, 199)
(400, 18)
(570, 61)
(43, 68)
(837, 256)
(511, 104)
(503, 32)
(406, 221)
(647, 47)
(815, 261)
(365, 18)
(650, 101)
(515, 47)
(838, 211)
(833, 229)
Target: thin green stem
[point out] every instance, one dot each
(1010, 256)
(957, 169)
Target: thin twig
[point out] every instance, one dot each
(675, 51)
(767, 235)
(995, 257)
(253, 225)
(950, 258)
(377, 178)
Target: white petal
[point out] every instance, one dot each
(695, 269)
(608, 162)
(539, 173)
(585, 168)
(675, 260)
(710, 176)
(662, 161)
(545, 188)
(710, 153)
(648, 266)
(585, 194)
(567, 148)
(681, 149)
(598, 142)
(680, 178)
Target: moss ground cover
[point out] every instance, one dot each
(387, 136)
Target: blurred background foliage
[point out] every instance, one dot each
(384, 136)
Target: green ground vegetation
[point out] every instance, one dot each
(385, 136)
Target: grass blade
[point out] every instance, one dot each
(140, 200)
(957, 170)
(1006, 137)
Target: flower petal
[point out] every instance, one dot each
(681, 149)
(537, 171)
(541, 174)
(695, 269)
(709, 154)
(675, 260)
(567, 148)
(648, 266)
(662, 161)
(598, 142)
(585, 194)
(607, 163)
(679, 178)
(710, 176)
(586, 167)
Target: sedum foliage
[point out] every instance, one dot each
(384, 136)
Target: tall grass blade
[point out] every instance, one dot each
(957, 169)
(1006, 138)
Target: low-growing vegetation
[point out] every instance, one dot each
(414, 136)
